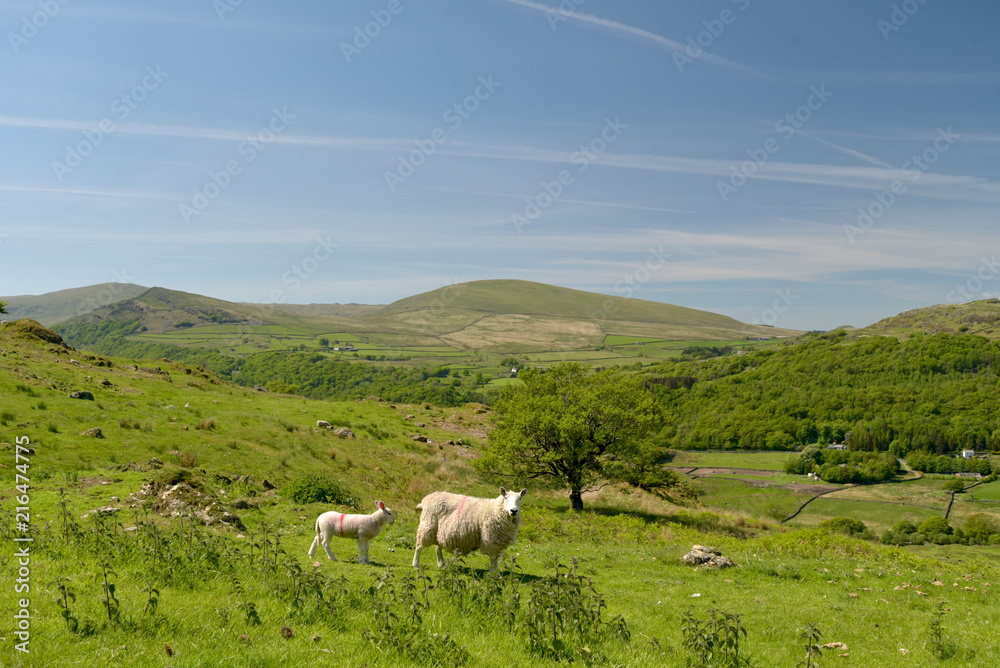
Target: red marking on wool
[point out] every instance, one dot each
(342, 516)
(458, 513)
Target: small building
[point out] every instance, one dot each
(968, 474)
(836, 446)
(513, 372)
(968, 454)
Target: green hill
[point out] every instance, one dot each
(56, 307)
(979, 317)
(500, 316)
(926, 392)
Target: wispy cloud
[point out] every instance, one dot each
(632, 32)
(877, 176)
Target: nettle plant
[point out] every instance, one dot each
(564, 616)
(715, 640)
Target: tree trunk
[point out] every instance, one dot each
(576, 499)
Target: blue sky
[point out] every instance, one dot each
(806, 165)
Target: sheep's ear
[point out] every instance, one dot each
(523, 492)
(381, 506)
(503, 492)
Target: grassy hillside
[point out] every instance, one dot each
(246, 593)
(928, 392)
(55, 307)
(497, 316)
(979, 317)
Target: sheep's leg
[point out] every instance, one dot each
(312, 548)
(440, 555)
(326, 546)
(362, 551)
(493, 562)
(416, 555)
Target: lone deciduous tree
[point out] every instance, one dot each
(572, 429)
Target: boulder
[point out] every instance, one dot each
(82, 394)
(94, 432)
(343, 432)
(420, 438)
(105, 382)
(702, 556)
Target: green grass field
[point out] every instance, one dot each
(771, 461)
(988, 492)
(190, 595)
(877, 516)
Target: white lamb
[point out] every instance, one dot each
(362, 527)
(463, 523)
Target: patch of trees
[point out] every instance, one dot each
(321, 377)
(928, 462)
(843, 466)
(932, 392)
(979, 529)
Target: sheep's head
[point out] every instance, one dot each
(512, 501)
(385, 509)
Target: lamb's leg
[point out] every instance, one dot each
(326, 546)
(440, 555)
(416, 555)
(312, 548)
(362, 551)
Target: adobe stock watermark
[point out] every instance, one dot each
(454, 116)
(555, 18)
(293, 278)
(697, 44)
(582, 159)
(23, 540)
(248, 150)
(107, 295)
(363, 35)
(898, 17)
(786, 126)
(121, 108)
(973, 286)
(30, 26)
(223, 7)
(885, 199)
(781, 305)
(633, 281)
(446, 296)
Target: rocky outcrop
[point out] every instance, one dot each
(702, 556)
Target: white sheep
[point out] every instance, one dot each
(323, 424)
(362, 527)
(462, 524)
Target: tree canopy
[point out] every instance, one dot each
(568, 428)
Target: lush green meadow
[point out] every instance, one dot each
(771, 461)
(248, 594)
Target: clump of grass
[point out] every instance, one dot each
(206, 425)
(188, 460)
(6, 417)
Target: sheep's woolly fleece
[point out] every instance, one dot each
(462, 524)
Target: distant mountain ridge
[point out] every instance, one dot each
(490, 314)
(53, 308)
